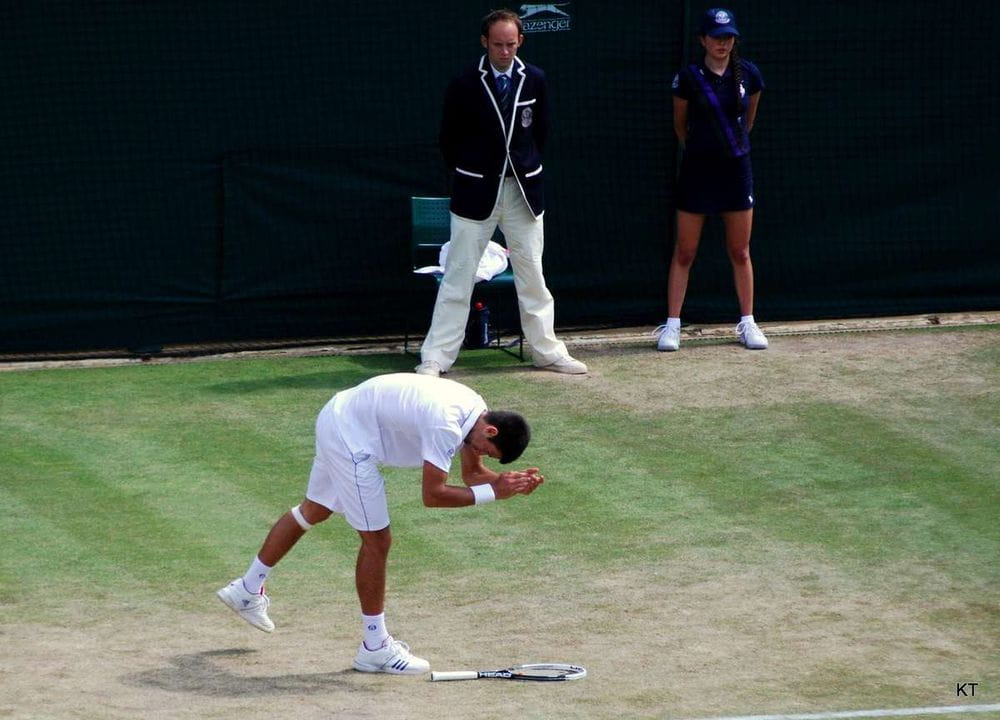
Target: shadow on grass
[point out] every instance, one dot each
(200, 674)
(348, 371)
(344, 372)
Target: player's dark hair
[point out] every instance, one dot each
(513, 433)
(503, 15)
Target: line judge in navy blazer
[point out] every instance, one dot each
(493, 132)
(475, 143)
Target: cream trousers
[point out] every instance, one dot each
(525, 237)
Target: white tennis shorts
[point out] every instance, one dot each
(346, 483)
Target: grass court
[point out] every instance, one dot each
(809, 529)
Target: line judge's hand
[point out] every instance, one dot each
(517, 482)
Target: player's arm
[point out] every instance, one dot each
(474, 472)
(438, 493)
(505, 484)
(752, 109)
(681, 120)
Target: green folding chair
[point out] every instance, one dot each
(430, 228)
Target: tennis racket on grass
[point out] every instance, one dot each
(545, 672)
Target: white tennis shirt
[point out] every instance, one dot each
(403, 419)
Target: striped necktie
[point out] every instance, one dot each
(503, 93)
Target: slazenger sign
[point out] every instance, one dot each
(547, 17)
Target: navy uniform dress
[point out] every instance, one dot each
(716, 174)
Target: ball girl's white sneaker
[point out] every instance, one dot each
(668, 339)
(751, 336)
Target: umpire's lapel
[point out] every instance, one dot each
(486, 79)
(519, 74)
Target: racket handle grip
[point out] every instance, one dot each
(454, 675)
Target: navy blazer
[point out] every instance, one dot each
(480, 147)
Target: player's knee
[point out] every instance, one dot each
(377, 541)
(309, 513)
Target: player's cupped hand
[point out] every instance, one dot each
(517, 482)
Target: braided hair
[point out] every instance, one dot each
(741, 107)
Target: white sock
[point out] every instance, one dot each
(746, 319)
(257, 573)
(373, 627)
(674, 323)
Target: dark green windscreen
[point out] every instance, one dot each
(219, 171)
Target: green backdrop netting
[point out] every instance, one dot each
(211, 170)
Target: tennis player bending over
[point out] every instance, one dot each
(399, 420)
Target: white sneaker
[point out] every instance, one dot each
(394, 657)
(429, 368)
(751, 336)
(250, 607)
(567, 365)
(667, 338)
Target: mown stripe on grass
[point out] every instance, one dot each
(837, 477)
(129, 525)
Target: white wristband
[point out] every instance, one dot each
(483, 493)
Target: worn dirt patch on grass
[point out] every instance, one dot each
(854, 368)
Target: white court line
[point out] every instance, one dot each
(901, 712)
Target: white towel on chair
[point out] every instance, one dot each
(492, 263)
